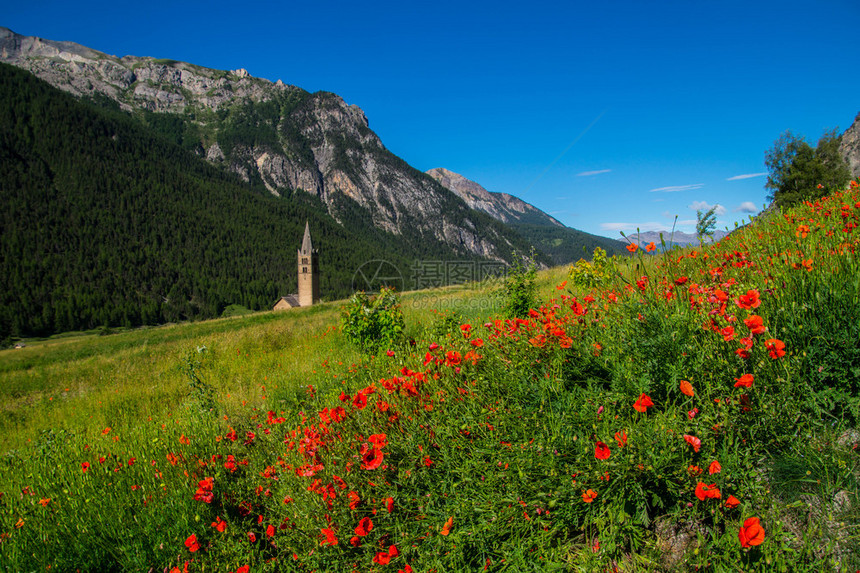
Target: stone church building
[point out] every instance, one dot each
(309, 277)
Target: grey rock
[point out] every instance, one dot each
(849, 147)
(500, 206)
(339, 159)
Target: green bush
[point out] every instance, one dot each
(373, 322)
(518, 291)
(593, 274)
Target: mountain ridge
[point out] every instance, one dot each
(501, 206)
(275, 134)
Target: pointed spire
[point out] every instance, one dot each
(307, 247)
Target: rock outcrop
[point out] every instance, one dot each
(500, 206)
(289, 139)
(849, 147)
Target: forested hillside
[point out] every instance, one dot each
(107, 222)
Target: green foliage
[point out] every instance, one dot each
(706, 223)
(92, 196)
(517, 445)
(373, 322)
(797, 172)
(200, 391)
(235, 310)
(592, 274)
(518, 291)
(564, 245)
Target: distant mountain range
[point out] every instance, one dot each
(677, 238)
(231, 148)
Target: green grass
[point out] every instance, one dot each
(476, 441)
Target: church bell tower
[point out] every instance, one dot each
(309, 271)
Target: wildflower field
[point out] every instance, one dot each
(694, 410)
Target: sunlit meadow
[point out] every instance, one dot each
(692, 410)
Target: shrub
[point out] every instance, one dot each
(593, 274)
(518, 290)
(372, 322)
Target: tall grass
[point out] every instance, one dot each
(695, 411)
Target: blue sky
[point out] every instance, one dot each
(610, 116)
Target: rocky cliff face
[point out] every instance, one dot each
(849, 147)
(286, 137)
(133, 82)
(500, 206)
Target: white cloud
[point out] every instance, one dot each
(588, 173)
(746, 176)
(704, 206)
(631, 227)
(746, 207)
(676, 188)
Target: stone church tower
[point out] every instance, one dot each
(309, 271)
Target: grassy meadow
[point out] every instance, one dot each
(688, 411)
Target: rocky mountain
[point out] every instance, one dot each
(275, 134)
(849, 147)
(501, 206)
(545, 233)
(676, 238)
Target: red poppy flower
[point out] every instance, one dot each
(270, 531)
(751, 533)
(365, 526)
(589, 496)
(601, 451)
(755, 323)
(715, 467)
(330, 537)
(732, 502)
(704, 491)
(749, 300)
(446, 529)
(252, 537)
(632, 247)
(378, 440)
(621, 438)
(85, 466)
(651, 247)
(687, 388)
(776, 348)
(384, 558)
(191, 543)
(372, 459)
(728, 333)
(693, 441)
(360, 401)
(745, 381)
(219, 524)
(389, 504)
(355, 541)
(354, 500)
(643, 403)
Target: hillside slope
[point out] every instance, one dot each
(105, 222)
(272, 134)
